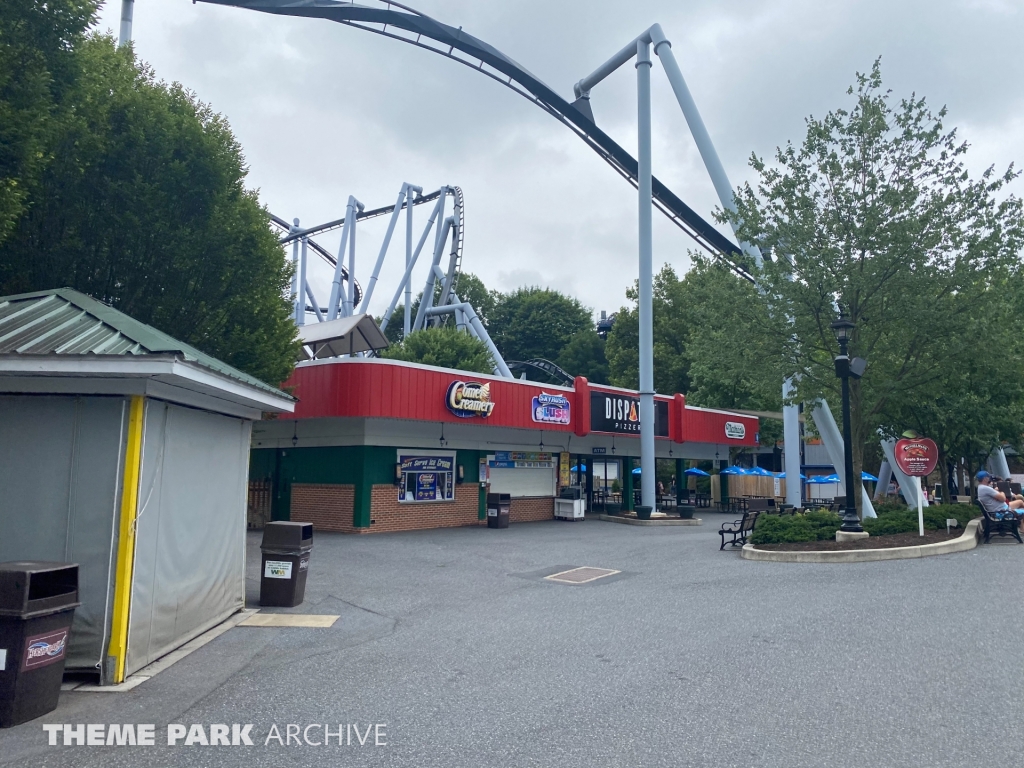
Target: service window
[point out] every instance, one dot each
(426, 478)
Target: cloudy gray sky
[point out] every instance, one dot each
(324, 111)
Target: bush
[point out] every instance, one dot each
(892, 519)
(810, 526)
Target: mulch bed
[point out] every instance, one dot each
(871, 542)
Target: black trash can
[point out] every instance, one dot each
(37, 604)
(286, 548)
(498, 507)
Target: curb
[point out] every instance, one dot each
(969, 540)
(634, 521)
(158, 666)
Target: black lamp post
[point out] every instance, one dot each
(842, 328)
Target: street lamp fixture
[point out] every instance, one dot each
(843, 328)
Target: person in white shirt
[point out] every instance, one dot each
(995, 502)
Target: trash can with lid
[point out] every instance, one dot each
(286, 547)
(498, 507)
(37, 604)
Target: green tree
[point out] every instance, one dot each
(142, 205)
(444, 347)
(671, 365)
(536, 322)
(37, 65)
(471, 289)
(584, 356)
(876, 214)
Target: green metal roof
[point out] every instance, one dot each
(66, 322)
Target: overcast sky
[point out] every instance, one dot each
(323, 111)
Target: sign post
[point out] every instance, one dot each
(917, 457)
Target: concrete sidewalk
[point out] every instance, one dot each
(689, 656)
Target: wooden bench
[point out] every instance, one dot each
(1005, 527)
(738, 529)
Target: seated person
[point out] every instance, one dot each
(995, 502)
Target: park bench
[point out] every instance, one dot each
(1005, 527)
(738, 529)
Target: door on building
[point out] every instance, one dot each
(607, 493)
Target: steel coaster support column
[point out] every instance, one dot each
(663, 49)
(791, 436)
(405, 190)
(884, 476)
(427, 299)
(447, 279)
(998, 464)
(646, 304)
(832, 438)
(300, 299)
(406, 327)
(127, 11)
(316, 307)
(349, 307)
(332, 304)
(295, 269)
(500, 367)
(404, 284)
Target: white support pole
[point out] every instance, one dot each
(427, 299)
(332, 305)
(646, 303)
(316, 307)
(998, 463)
(833, 441)
(384, 246)
(127, 11)
(884, 476)
(408, 260)
(701, 137)
(296, 293)
(791, 436)
(920, 509)
(404, 284)
(350, 296)
(300, 299)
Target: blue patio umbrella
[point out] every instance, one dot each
(735, 471)
(782, 476)
(760, 472)
(696, 472)
(823, 479)
(868, 476)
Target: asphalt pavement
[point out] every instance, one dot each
(458, 652)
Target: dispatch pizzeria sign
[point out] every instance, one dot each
(917, 456)
(467, 399)
(621, 413)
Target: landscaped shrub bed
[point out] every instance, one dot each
(821, 526)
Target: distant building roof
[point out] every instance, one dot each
(65, 323)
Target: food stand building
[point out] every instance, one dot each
(382, 445)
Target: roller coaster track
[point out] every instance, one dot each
(291, 236)
(407, 25)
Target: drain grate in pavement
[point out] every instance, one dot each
(583, 575)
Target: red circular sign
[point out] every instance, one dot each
(916, 457)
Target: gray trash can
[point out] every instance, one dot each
(499, 505)
(37, 604)
(286, 548)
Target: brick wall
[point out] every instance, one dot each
(327, 507)
(388, 515)
(530, 508)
